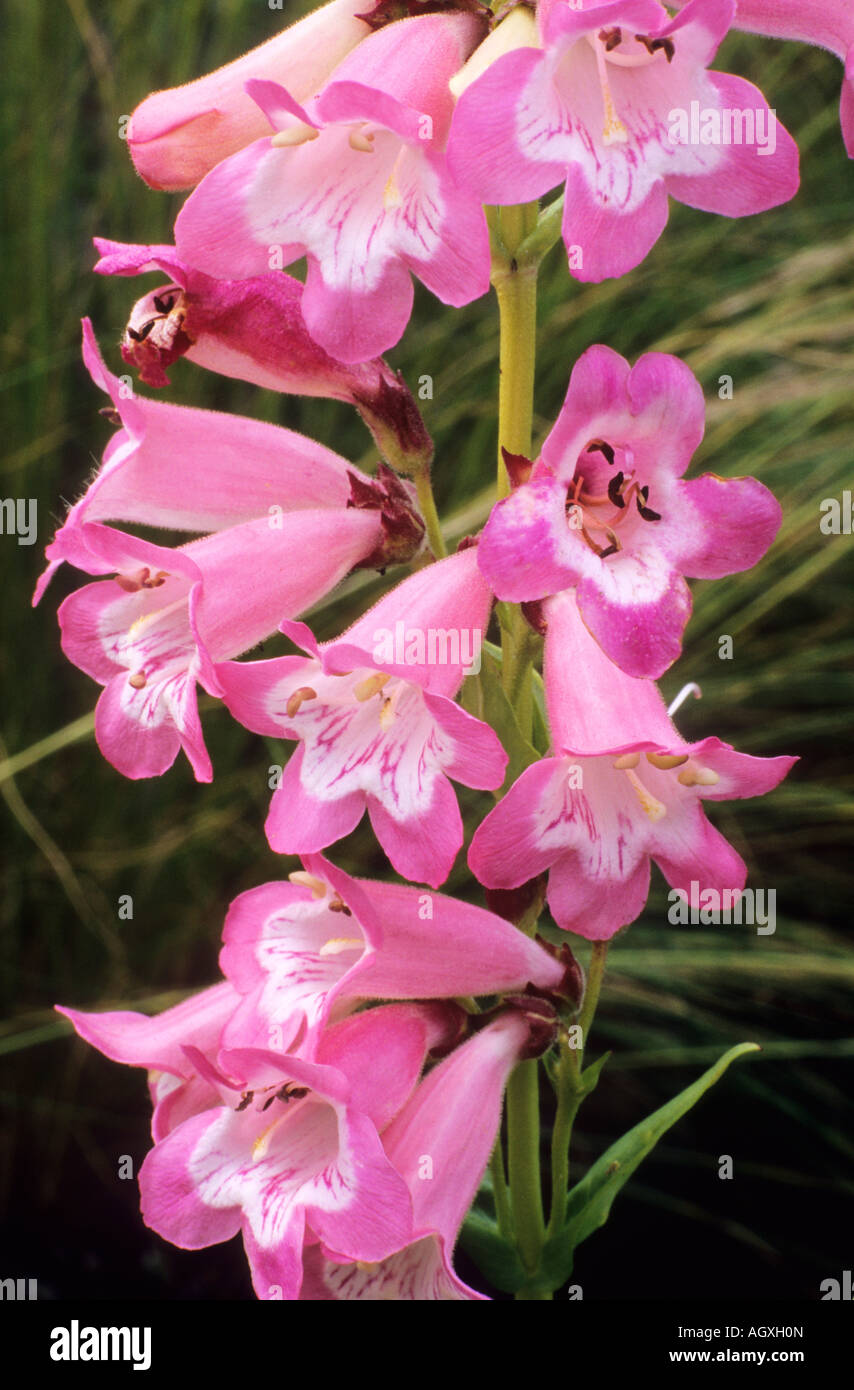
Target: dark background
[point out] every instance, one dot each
(766, 300)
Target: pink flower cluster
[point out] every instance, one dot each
(283, 1108)
(284, 1113)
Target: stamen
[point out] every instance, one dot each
(138, 680)
(601, 446)
(245, 1100)
(370, 686)
(337, 944)
(305, 880)
(653, 46)
(338, 905)
(294, 135)
(627, 761)
(613, 131)
(698, 777)
(387, 714)
(611, 37)
(305, 692)
(360, 141)
(655, 809)
(614, 494)
(666, 761)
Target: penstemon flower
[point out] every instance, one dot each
(337, 1097)
(607, 512)
(377, 723)
(357, 180)
(596, 104)
(176, 137)
(304, 952)
(620, 789)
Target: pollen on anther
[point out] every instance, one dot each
(305, 692)
(138, 680)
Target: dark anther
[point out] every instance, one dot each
(245, 1099)
(289, 1092)
(110, 413)
(267, 1104)
(143, 332)
(609, 550)
(648, 514)
(337, 905)
(603, 448)
(651, 45)
(611, 37)
(614, 493)
(162, 304)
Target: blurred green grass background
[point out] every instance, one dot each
(768, 301)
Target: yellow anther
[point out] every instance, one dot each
(360, 141)
(317, 886)
(305, 692)
(626, 761)
(666, 761)
(138, 680)
(294, 135)
(698, 777)
(370, 686)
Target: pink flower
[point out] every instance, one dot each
(828, 23)
(291, 1149)
(607, 105)
(434, 1144)
(607, 511)
(377, 723)
(160, 1045)
(355, 179)
(267, 495)
(621, 788)
(194, 470)
(177, 136)
(303, 952)
(254, 330)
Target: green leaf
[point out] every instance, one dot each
(494, 1256)
(484, 697)
(590, 1200)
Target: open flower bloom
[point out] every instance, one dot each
(290, 1149)
(617, 103)
(827, 23)
(621, 788)
(442, 1154)
(303, 952)
(194, 470)
(377, 723)
(149, 635)
(175, 137)
(356, 179)
(607, 511)
(159, 1044)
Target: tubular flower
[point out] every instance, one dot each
(442, 1155)
(616, 102)
(254, 330)
(356, 179)
(607, 511)
(175, 137)
(306, 951)
(621, 788)
(377, 723)
(195, 470)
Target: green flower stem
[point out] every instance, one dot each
(516, 290)
(571, 1090)
(523, 1151)
(500, 1190)
(427, 503)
